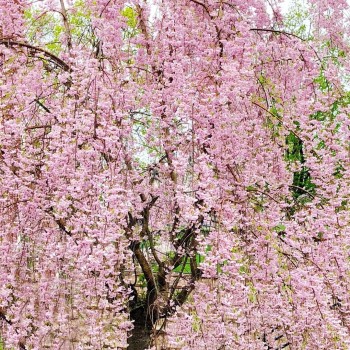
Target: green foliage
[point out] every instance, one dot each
(279, 228)
(47, 28)
(141, 281)
(131, 16)
(322, 81)
(344, 205)
(187, 268)
(302, 182)
(2, 344)
(297, 20)
(328, 119)
(196, 322)
(338, 173)
(294, 149)
(131, 20)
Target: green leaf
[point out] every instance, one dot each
(131, 16)
(279, 228)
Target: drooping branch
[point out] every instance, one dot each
(143, 27)
(4, 318)
(281, 32)
(9, 322)
(203, 6)
(42, 106)
(277, 117)
(13, 43)
(66, 25)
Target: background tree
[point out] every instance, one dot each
(177, 168)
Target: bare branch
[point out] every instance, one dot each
(11, 43)
(277, 32)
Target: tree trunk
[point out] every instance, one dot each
(140, 335)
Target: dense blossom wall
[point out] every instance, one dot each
(218, 127)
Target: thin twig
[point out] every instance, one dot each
(276, 32)
(277, 117)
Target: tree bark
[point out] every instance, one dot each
(140, 335)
